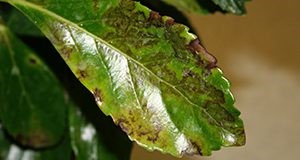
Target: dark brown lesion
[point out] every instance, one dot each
(81, 74)
(123, 123)
(98, 95)
(134, 128)
(154, 16)
(197, 147)
(196, 47)
(32, 60)
(153, 137)
(34, 140)
(66, 51)
(170, 22)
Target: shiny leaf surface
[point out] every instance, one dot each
(33, 108)
(146, 71)
(88, 142)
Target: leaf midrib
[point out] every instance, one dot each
(62, 19)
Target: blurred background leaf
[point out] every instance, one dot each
(33, 107)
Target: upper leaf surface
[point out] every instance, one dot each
(146, 71)
(33, 108)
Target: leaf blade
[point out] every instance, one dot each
(29, 117)
(177, 104)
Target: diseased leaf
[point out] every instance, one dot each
(146, 71)
(33, 108)
(88, 142)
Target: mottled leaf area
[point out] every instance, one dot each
(33, 107)
(146, 71)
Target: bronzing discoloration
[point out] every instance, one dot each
(196, 47)
(154, 16)
(170, 22)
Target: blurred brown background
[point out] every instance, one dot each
(259, 53)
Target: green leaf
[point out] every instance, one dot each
(19, 24)
(33, 108)
(206, 6)
(88, 142)
(4, 144)
(11, 151)
(187, 5)
(233, 6)
(146, 71)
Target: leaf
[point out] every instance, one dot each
(146, 71)
(187, 5)
(89, 142)
(206, 6)
(11, 151)
(33, 108)
(4, 144)
(17, 19)
(233, 6)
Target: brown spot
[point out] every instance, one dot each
(153, 138)
(143, 133)
(154, 16)
(198, 148)
(96, 5)
(32, 61)
(82, 74)
(98, 96)
(56, 37)
(170, 22)
(188, 73)
(34, 140)
(66, 51)
(196, 47)
(123, 123)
